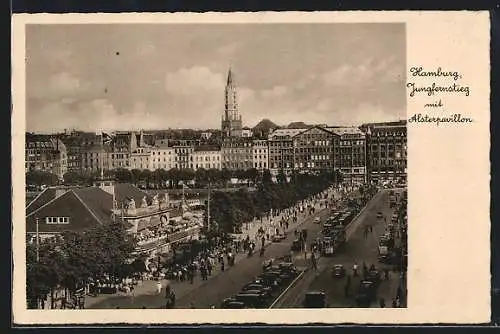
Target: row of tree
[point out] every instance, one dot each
(231, 210)
(151, 179)
(71, 260)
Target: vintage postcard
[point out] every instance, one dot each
(281, 168)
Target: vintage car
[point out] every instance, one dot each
(380, 215)
(338, 271)
(277, 238)
(263, 294)
(251, 300)
(315, 299)
(366, 293)
(255, 286)
(317, 220)
(374, 276)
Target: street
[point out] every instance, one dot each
(358, 249)
(204, 294)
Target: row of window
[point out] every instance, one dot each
(260, 165)
(56, 220)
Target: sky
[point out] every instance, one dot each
(94, 77)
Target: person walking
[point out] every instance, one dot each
(382, 302)
(158, 287)
(355, 269)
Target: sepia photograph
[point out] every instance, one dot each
(216, 166)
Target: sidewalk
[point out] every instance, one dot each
(146, 294)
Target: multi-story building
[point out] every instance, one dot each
(183, 150)
(121, 148)
(162, 155)
(313, 150)
(206, 157)
(350, 154)
(281, 151)
(140, 158)
(45, 153)
(231, 124)
(260, 154)
(237, 153)
(387, 151)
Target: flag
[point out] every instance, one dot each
(106, 138)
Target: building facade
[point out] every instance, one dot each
(387, 152)
(45, 153)
(350, 157)
(313, 150)
(162, 156)
(237, 153)
(281, 151)
(231, 124)
(207, 158)
(260, 154)
(140, 158)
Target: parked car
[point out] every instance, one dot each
(315, 299)
(317, 220)
(338, 271)
(251, 300)
(263, 294)
(255, 286)
(366, 293)
(380, 215)
(227, 301)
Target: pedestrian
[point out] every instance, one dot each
(222, 265)
(386, 273)
(382, 302)
(355, 269)
(394, 303)
(158, 287)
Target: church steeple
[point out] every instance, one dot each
(231, 121)
(229, 78)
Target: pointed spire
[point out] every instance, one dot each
(230, 77)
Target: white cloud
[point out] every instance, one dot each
(193, 81)
(275, 92)
(58, 86)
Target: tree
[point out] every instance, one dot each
(74, 178)
(281, 178)
(136, 175)
(163, 176)
(123, 175)
(175, 176)
(214, 175)
(146, 177)
(187, 174)
(266, 177)
(40, 178)
(201, 175)
(252, 174)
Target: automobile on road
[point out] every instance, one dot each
(315, 299)
(338, 271)
(317, 220)
(366, 293)
(251, 300)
